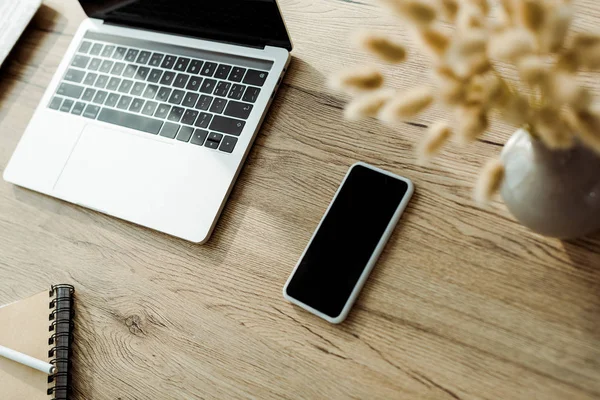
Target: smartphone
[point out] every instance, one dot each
(348, 241)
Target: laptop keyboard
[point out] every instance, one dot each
(199, 101)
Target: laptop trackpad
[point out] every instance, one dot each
(119, 173)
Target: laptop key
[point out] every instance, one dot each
(128, 120)
(100, 97)
(162, 111)
(203, 120)
(144, 57)
(218, 105)
(112, 100)
(238, 110)
(208, 86)
(194, 83)
(101, 81)
(142, 73)
(94, 64)
(204, 102)
(211, 145)
(181, 80)
(167, 78)
(88, 95)
(108, 51)
(113, 83)
(124, 102)
(150, 91)
(131, 55)
(156, 59)
(237, 73)
(254, 77)
(236, 92)
(90, 78)
(118, 68)
(228, 144)
(78, 108)
(185, 133)
(66, 105)
(190, 99)
(251, 94)
(176, 114)
(85, 47)
(154, 76)
(182, 64)
(55, 103)
(215, 137)
(195, 67)
(80, 61)
(96, 49)
(222, 88)
(69, 90)
(130, 71)
(119, 54)
(163, 94)
(106, 66)
(208, 69)
(149, 108)
(136, 105)
(199, 136)
(223, 71)
(168, 62)
(138, 88)
(227, 125)
(169, 130)
(176, 97)
(91, 111)
(74, 75)
(126, 85)
(189, 117)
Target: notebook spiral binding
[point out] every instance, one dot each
(61, 339)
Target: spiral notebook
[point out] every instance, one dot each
(40, 326)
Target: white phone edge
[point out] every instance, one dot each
(374, 257)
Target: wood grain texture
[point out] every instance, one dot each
(463, 304)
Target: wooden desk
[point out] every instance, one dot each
(464, 303)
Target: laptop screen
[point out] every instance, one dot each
(247, 22)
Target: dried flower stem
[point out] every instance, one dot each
(489, 182)
(437, 136)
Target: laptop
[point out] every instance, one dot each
(154, 108)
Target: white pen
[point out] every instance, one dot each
(27, 360)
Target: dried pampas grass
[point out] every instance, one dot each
(406, 105)
(418, 12)
(586, 125)
(551, 129)
(435, 41)
(437, 136)
(532, 35)
(449, 9)
(368, 105)
(563, 89)
(381, 46)
(356, 80)
(533, 15)
(489, 182)
(558, 24)
(515, 109)
(469, 17)
(511, 45)
(533, 71)
(472, 123)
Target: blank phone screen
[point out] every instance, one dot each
(346, 240)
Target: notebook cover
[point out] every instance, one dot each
(24, 328)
